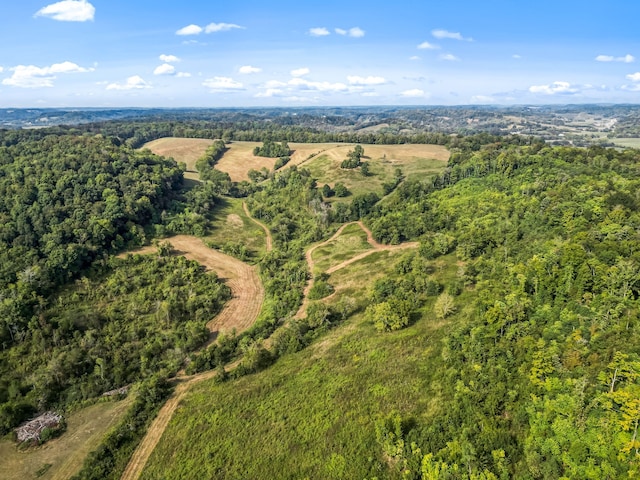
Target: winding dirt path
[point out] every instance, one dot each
(376, 247)
(239, 313)
(259, 223)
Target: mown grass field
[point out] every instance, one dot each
(323, 159)
(414, 161)
(61, 458)
(313, 413)
(187, 150)
(352, 241)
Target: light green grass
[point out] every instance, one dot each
(351, 242)
(326, 169)
(627, 142)
(312, 414)
(231, 224)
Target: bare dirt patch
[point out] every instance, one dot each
(247, 293)
(234, 220)
(239, 313)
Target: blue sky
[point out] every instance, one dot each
(162, 53)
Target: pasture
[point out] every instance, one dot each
(312, 413)
(323, 159)
(61, 458)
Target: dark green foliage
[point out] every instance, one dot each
(281, 162)
(340, 190)
(65, 201)
(272, 150)
(545, 235)
(127, 320)
(321, 288)
(353, 159)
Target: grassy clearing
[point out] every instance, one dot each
(627, 142)
(414, 160)
(85, 429)
(313, 414)
(322, 158)
(187, 150)
(350, 243)
(231, 224)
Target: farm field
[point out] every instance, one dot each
(323, 159)
(61, 458)
(187, 150)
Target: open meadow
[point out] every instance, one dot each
(314, 413)
(323, 159)
(61, 458)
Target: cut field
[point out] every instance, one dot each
(351, 242)
(187, 150)
(323, 159)
(61, 458)
(415, 161)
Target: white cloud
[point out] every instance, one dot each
(442, 34)
(30, 76)
(449, 57)
(631, 88)
(319, 32)
(270, 92)
(190, 30)
(183, 75)
(414, 58)
(275, 84)
(164, 69)
(609, 58)
(356, 32)
(304, 84)
(634, 77)
(356, 80)
(220, 27)
(223, 84)
(428, 46)
(1, 69)
(370, 94)
(341, 31)
(482, 99)
(248, 69)
(516, 56)
(300, 72)
(68, 11)
(169, 58)
(413, 93)
(554, 88)
(133, 83)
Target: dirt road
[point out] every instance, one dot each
(259, 223)
(376, 247)
(239, 313)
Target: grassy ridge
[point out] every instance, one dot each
(313, 414)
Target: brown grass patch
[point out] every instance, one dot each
(187, 150)
(85, 430)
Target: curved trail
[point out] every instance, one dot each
(267, 232)
(239, 313)
(375, 247)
